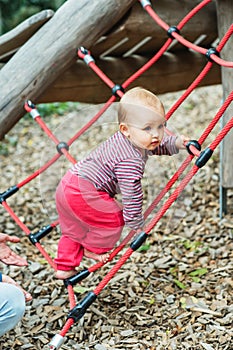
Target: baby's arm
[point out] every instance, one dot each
(181, 141)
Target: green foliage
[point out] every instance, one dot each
(194, 275)
(179, 284)
(6, 144)
(198, 272)
(55, 108)
(191, 245)
(81, 290)
(14, 12)
(59, 108)
(144, 247)
(4, 151)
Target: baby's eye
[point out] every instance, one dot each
(161, 126)
(147, 128)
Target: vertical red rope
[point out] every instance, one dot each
(16, 218)
(46, 256)
(71, 296)
(217, 117)
(171, 199)
(192, 13)
(66, 327)
(222, 134)
(113, 271)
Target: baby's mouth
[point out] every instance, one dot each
(155, 143)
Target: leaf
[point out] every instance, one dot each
(179, 284)
(144, 247)
(43, 261)
(183, 302)
(192, 245)
(198, 272)
(174, 270)
(196, 279)
(81, 290)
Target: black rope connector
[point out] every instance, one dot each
(211, 51)
(62, 145)
(85, 55)
(194, 143)
(79, 310)
(35, 237)
(171, 30)
(116, 88)
(71, 281)
(204, 157)
(138, 241)
(145, 3)
(30, 104)
(83, 50)
(9, 192)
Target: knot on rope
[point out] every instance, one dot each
(61, 146)
(85, 55)
(191, 144)
(79, 310)
(212, 51)
(117, 88)
(171, 30)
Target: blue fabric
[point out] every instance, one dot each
(12, 306)
(0, 277)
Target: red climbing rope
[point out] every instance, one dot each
(174, 33)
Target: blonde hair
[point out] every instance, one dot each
(140, 97)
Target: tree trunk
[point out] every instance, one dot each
(11, 41)
(51, 50)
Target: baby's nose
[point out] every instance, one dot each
(154, 133)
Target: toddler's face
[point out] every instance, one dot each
(145, 126)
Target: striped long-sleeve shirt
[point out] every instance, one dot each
(117, 166)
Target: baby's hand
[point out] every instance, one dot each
(181, 141)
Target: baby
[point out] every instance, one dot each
(91, 219)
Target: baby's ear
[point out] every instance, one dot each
(124, 129)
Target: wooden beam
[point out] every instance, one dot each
(138, 25)
(131, 31)
(52, 50)
(225, 20)
(172, 72)
(10, 42)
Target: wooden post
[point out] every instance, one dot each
(225, 20)
(51, 50)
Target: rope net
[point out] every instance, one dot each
(63, 149)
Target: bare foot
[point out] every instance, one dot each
(62, 275)
(99, 257)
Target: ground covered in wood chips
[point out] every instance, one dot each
(175, 293)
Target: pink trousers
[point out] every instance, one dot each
(88, 218)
